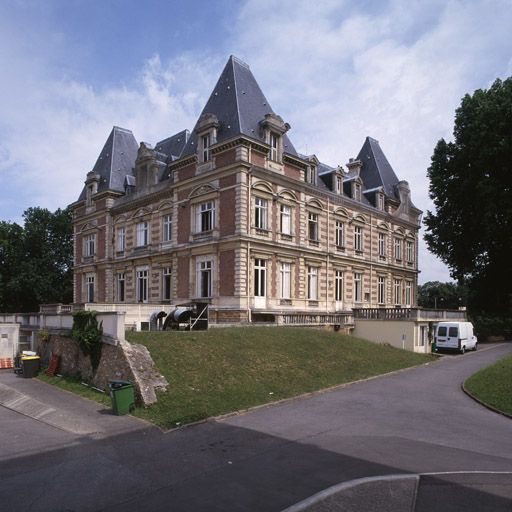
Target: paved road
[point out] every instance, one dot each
(415, 421)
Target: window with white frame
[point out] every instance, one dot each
(358, 287)
(121, 239)
(358, 238)
(274, 146)
(380, 201)
(166, 283)
(340, 234)
(205, 216)
(408, 293)
(89, 287)
(398, 291)
(90, 245)
(398, 249)
(312, 283)
(409, 251)
(260, 213)
(142, 277)
(311, 174)
(339, 184)
(204, 278)
(167, 228)
(205, 147)
(260, 277)
(381, 290)
(313, 226)
(357, 191)
(338, 285)
(286, 219)
(120, 287)
(142, 233)
(286, 280)
(382, 245)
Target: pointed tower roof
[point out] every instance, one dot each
(239, 105)
(116, 160)
(376, 171)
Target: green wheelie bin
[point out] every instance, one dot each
(122, 396)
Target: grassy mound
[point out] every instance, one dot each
(224, 370)
(493, 385)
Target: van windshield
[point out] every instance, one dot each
(453, 332)
(441, 331)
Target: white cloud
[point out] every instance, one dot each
(396, 73)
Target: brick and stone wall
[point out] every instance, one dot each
(124, 361)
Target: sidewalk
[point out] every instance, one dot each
(61, 409)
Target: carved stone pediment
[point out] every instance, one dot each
(202, 190)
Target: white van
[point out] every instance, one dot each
(455, 336)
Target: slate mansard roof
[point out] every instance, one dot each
(239, 105)
(116, 160)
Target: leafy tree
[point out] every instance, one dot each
(471, 187)
(36, 260)
(435, 294)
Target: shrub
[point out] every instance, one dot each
(87, 333)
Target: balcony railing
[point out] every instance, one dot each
(414, 314)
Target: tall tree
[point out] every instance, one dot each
(471, 187)
(36, 260)
(434, 294)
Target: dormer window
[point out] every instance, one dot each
(339, 185)
(205, 147)
(274, 146)
(380, 201)
(311, 174)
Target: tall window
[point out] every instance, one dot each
(120, 286)
(409, 252)
(205, 147)
(89, 288)
(204, 278)
(166, 284)
(339, 184)
(311, 174)
(286, 219)
(260, 272)
(312, 283)
(313, 226)
(358, 238)
(274, 146)
(142, 233)
(381, 290)
(380, 201)
(398, 249)
(338, 285)
(358, 287)
(142, 285)
(286, 280)
(260, 212)
(205, 219)
(382, 245)
(90, 245)
(121, 239)
(167, 225)
(408, 294)
(357, 192)
(340, 234)
(398, 291)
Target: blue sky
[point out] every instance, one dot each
(337, 71)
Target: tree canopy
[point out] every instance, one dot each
(36, 260)
(434, 294)
(471, 187)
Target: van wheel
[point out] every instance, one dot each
(475, 347)
(462, 350)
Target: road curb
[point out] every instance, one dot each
(481, 402)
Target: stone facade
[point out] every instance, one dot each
(238, 218)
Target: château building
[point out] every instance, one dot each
(232, 215)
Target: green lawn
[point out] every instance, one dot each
(225, 370)
(493, 385)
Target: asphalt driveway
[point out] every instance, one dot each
(415, 421)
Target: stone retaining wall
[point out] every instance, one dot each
(118, 362)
